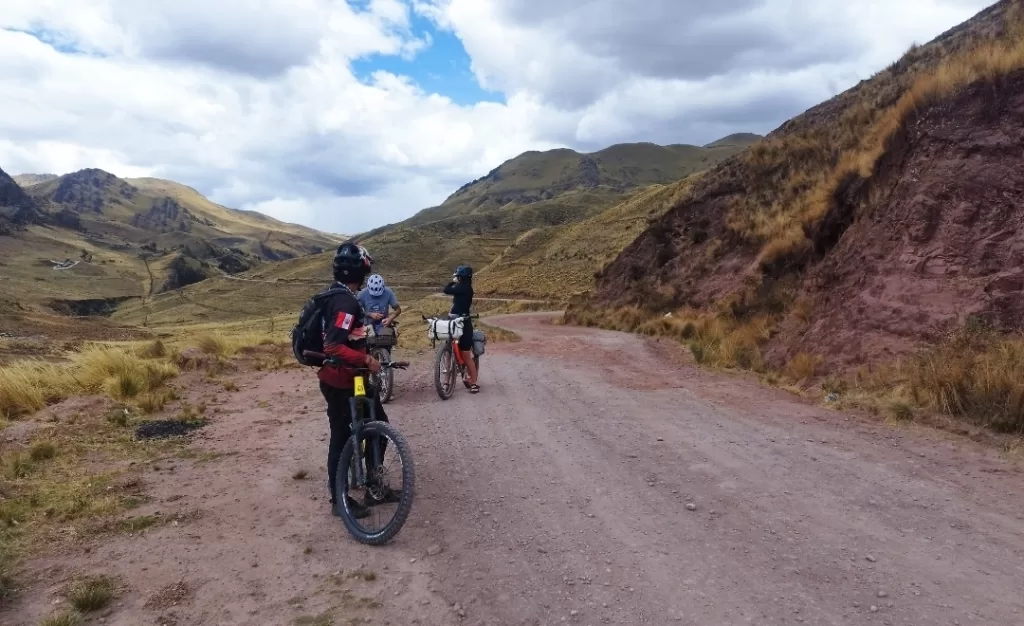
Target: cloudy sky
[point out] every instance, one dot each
(348, 114)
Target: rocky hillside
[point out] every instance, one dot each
(870, 226)
(90, 236)
(17, 208)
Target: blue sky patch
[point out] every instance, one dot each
(443, 67)
(59, 42)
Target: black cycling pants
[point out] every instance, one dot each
(340, 420)
(466, 340)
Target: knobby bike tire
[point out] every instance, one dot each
(439, 385)
(386, 377)
(387, 533)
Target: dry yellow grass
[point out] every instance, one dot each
(717, 340)
(121, 374)
(802, 367)
(975, 376)
(981, 380)
(122, 371)
(24, 388)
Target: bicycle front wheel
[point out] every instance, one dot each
(388, 492)
(445, 371)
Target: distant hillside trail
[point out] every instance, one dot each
(434, 295)
(597, 479)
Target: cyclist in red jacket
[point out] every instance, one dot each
(345, 339)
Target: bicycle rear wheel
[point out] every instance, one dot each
(445, 371)
(389, 506)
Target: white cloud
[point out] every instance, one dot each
(260, 109)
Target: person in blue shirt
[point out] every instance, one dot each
(378, 302)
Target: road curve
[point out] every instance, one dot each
(598, 479)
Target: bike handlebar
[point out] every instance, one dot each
(330, 360)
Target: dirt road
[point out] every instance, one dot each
(595, 480)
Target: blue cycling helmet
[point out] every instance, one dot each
(464, 272)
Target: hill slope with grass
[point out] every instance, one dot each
(535, 197)
(876, 226)
(534, 177)
(84, 242)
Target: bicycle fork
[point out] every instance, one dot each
(360, 400)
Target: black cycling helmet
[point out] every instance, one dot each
(464, 272)
(351, 263)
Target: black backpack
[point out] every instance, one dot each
(307, 334)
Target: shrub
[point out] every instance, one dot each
(802, 367)
(42, 449)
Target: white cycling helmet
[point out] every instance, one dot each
(375, 285)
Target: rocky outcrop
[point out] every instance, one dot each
(167, 214)
(17, 209)
(89, 190)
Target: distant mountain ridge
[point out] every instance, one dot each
(536, 176)
(156, 232)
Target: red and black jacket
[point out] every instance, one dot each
(344, 338)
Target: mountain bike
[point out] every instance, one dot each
(380, 346)
(449, 362)
(363, 466)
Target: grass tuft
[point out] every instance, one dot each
(42, 450)
(802, 367)
(213, 344)
(17, 465)
(154, 401)
(7, 582)
(64, 618)
(27, 386)
(91, 594)
(154, 350)
(899, 410)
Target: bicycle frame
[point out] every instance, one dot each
(361, 399)
(460, 358)
(367, 402)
